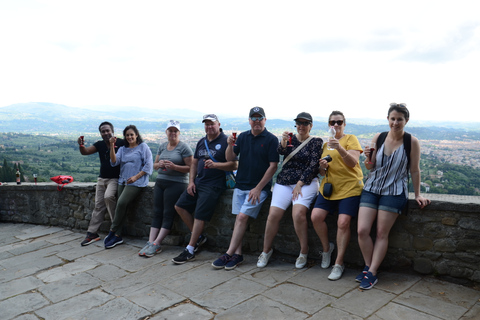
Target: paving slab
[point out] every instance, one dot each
(191, 282)
(18, 286)
(273, 274)
(363, 303)
(15, 267)
(261, 307)
(28, 246)
(473, 313)
(448, 292)
(27, 316)
(228, 294)
(395, 311)
(54, 236)
(67, 270)
(298, 297)
(75, 307)
(118, 309)
(328, 313)
(107, 272)
(316, 278)
(38, 231)
(68, 238)
(396, 282)
(69, 287)
(154, 298)
(185, 311)
(76, 251)
(430, 305)
(10, 308)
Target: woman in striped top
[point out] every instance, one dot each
(385, 193)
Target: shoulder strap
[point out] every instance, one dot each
(208, 150)
(294, 152)
(407, 144)
(381, 139)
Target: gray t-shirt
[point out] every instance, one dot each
(181, 151)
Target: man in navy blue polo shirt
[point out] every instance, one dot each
(257, 164)
(197, 204)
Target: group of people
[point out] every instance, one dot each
(190, 184)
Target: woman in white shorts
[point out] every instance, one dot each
(296, 184)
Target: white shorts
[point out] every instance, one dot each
(282, 195)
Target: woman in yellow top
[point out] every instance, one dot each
(345, 175)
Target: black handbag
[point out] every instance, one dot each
(327, 187)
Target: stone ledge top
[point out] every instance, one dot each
(76, 185)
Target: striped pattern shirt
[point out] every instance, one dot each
(390, 174)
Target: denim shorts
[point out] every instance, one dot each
(388, 203)
(241, 204)
(348, 206)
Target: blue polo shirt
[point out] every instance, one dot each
(255, 154)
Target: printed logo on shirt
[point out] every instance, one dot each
(218, 146)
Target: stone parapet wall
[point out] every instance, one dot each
(442, 239)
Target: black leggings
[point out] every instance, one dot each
(165, 195)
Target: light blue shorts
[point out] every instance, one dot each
(241, 204)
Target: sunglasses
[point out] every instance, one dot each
(257, 118)
(332, 122)
(400, 105)
(302, 123)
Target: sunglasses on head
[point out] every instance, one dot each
(302, 123)
(257, 118)
(332, 122)
(400, 105)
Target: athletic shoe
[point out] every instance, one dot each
(234, 262)
(152, 250)
(301, 261)
(201, 240)
(90, 238)
(113, 242)
(221, 262)
(183, 257)
(263, 259)
(368, 281)
(142, 252)
(362, 275)
(337, 272)
(326, 256)
(108, 237)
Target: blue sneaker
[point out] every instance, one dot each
(113, 242)
(368, 281)
(234, 262)
(108, 237)
(362, 275)
(221, 262)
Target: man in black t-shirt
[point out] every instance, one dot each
(107, 182)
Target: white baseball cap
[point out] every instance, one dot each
(173, 123)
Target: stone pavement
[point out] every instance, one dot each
(46, 274)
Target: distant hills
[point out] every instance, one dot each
(51, 118)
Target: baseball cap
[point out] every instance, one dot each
(173, 123)
(210, 117)
(304, 115)
(257, 110)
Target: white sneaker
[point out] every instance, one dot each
(326, 256)
(263, 259)
(301, 261)
(336, 273)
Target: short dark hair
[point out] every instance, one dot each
(399, 107)
(139, 137)
(336, 113)
(105, 123)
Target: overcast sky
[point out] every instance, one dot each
(229, 56)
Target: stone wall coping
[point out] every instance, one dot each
(452, 198)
